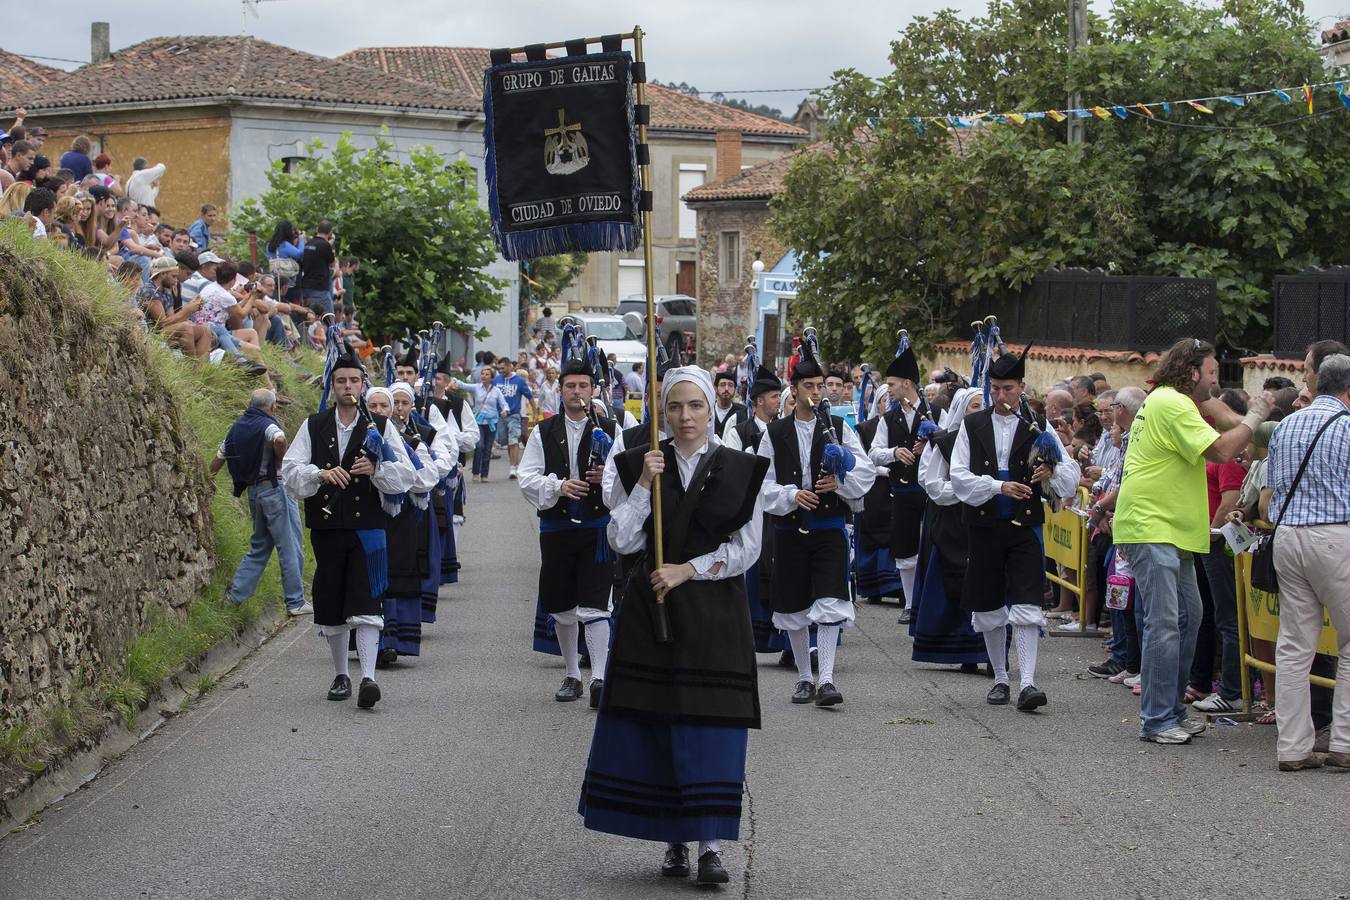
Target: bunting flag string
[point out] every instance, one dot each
(1150, 110)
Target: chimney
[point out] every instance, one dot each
(728, 153)
(99, 48)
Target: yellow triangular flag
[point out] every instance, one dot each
(1055, 115)
(1307, 95)
(1100, 113)
(1143, 108)
(1200, 107)
(1017, 118)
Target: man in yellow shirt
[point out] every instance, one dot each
(1162, 521)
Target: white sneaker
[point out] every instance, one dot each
(303, 610)
(1171, 735)
(1214, 704)
(1192, 726)
(1132, 681)
(513, 472)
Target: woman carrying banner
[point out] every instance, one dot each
(667, 761)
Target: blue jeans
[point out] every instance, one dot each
(323, 298)
(227, 341)
(1169, 596)
(482, 453)
(276, 332)
(276, 525)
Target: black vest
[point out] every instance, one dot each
(876, 514)
(787, 464)
(737, 412)
(640, 435)
(900, 435)
(979, 428)
(750, 434)
(553, 435)
(725, 503)
(450, 403)
(358, 504)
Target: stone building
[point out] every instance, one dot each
(691, 145)
(733, 232)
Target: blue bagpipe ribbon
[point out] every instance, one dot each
(377, 447)
(377, 560)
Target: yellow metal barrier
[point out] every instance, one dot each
(1259, 617)
(1065, 536)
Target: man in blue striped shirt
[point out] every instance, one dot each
(1312, 558)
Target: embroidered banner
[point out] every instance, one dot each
(562, 166)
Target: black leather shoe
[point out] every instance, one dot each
(676, 863)
(785, 661)
(710, 869)
(597, 685)
(570, 690)
(386, 658)
(970, 668)
(1031, 699)
(805, 692)
(368, 694)
(998, 695)
(828, 695)
(341, 688)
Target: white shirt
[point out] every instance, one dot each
(781, 499)
(732, 438)
(977, 490)
(626, 525)
(882, 454)
(544, 490)
(302, 476)
(935, 476)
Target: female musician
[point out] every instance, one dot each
(942, 630)
(667, 761)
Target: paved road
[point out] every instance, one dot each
(463, 782)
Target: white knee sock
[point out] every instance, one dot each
(907, 576)
(713, 846)
(367, 649)
(827, 641)
(996, 645)
(567, 640)
(1027, 637)
(800, 640)
(338, 644)
(597, 644)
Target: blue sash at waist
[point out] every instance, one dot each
(552, 525)
(1003, 504)
(807, 519)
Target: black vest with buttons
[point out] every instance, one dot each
(553, 434)
(898, 434)
(358, 504)
(787, 465)
(750, 434)
(984, 461)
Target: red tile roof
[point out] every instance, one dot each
(238, 68)
(1065, 354)
(19, 75)
(1270, 362)
(763, 182)
(460, 69)
(1337, 33)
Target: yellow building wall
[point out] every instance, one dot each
(195, 151)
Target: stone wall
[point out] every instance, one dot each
(104, 504)
(1046, 365)
(726, 311)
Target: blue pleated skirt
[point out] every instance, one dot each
(875, 571)
(767, 638)
(664, 782)
(402, 625)
(431, 584)
(941, 628)
(449, 562)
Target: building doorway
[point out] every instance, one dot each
(686, 281)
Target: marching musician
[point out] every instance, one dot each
(667, 760)
(810, 584)
(560, 476)
(999, 473)
(728, 408)
(896, 446)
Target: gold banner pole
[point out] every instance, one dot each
(662, 616)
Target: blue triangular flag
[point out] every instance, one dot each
(1081, 113)
(1167, 107)
(1284, 98)
(1035, 115)
(1236, 101)
(917, 123)
(1340, 92)
(1120, 112)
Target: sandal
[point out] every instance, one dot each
(1193, 695)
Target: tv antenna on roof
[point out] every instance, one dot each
(251, 8)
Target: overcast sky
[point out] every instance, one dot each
(727, 45)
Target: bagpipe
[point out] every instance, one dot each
(836, 460)
(428, 359)
(751, 359)
(926, 428)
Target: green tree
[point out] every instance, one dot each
(551, 275)
(901, 228)
(415, 224)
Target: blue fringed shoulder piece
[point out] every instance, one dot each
(1049, 449)
(837, 460)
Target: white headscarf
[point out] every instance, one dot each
(951, 418)
(696, 376)
(400, 387)
(382, 391)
